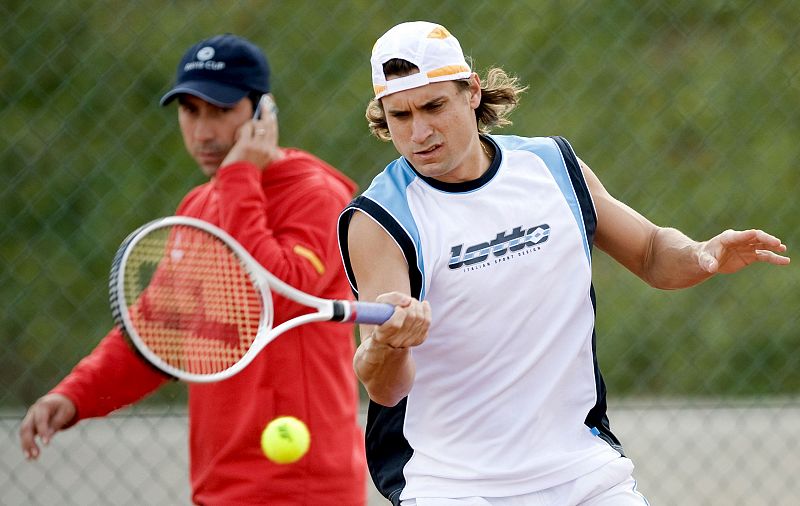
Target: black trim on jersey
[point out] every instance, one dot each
(388, 451)
(343, 226)
(579, 184)
(467, 186)
(393, 228)
(597, 416)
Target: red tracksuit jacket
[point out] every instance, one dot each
(285, 217)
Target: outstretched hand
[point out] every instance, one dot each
(733, 250)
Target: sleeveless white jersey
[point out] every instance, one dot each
(507, 397)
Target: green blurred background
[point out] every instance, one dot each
(688, 111)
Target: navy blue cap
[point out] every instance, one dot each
(221, 70)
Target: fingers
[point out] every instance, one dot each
(45, 417)
(266, 106)
(763, 245)
(766, 248)
(265, 132)
(265, 124)
(409, 324)
(768, 241)
(395, 299)
(36, 423)
(733, 250)
(758, 239)
(771, 257)
(27, 436)
(416, 319)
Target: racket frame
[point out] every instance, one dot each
(264, 282)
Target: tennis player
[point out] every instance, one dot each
(281, 204)
(484, 386)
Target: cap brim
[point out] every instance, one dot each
(221, 95)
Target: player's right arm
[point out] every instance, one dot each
(383, 361)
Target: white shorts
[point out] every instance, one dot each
(610, 485)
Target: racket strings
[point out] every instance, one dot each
(192, 302)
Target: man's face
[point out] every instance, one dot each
(432, 127)
(209, 131)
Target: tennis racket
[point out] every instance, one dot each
(198, 306)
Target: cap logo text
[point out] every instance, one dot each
(204, 61)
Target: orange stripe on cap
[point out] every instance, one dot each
(311, 257)
(447, 71)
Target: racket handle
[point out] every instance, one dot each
(370, 312)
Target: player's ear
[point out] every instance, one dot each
(474, 90)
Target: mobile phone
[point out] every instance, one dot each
(265, 103)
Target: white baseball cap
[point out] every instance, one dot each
(429, 46)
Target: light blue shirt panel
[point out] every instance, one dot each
(547, 149)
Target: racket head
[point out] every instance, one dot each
(189, 299)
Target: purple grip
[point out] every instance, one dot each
(371, 312)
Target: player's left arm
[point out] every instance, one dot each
(665, 257)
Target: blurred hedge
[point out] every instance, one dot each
(687, 111)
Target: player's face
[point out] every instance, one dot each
(434, 128)
(209, 131)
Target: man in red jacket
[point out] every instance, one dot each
(281, 204)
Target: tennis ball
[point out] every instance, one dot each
(285, 440)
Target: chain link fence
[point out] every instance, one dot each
(689, 111)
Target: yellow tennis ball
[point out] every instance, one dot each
(285, 440)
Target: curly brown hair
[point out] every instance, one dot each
(499, 96)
